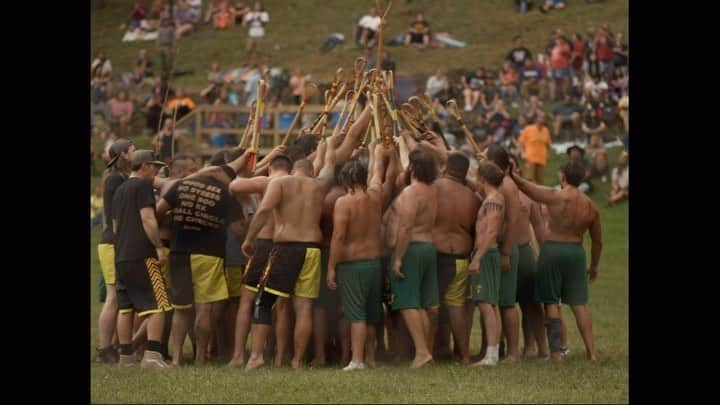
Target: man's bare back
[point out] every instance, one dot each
(455, 218)
(423, 198)
(297, 216)
(363, 238)
(570, 216)
(523, 235)
(511, 195)
(492, 202)
(255, 185)
(326, 220)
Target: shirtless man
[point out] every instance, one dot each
(561, 266)
(413, 281)
(280, 166)
(355, 252)
(484, 269)
(295, 203)
(509, 254)
(453, 239)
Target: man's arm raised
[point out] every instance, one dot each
(327, 173)
(354, 135)
(271, 200)
(543, 194)
(253, 185)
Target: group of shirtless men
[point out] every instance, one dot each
(405, 246)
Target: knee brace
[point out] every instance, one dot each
(554, 330)
(262, 312)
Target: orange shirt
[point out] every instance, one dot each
(536, 142)
(185, 101)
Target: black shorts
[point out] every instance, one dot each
(416, 38)
(386, 269)
(294, 268)
(257, 264)
(141, 287)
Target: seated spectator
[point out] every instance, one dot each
(185, 19)
(623, 112)
(101, 67)
(593, 124)
(509, 81)
(519, 54)
(595, 93)
(138, 14)
(121, 110)
(225, 18)
(182, 103)
(552, 4)
(618, 85)
(100, 89)
(577, 153)
(598, 158)
(620, 52)
(297, 85)
(195, 9)
(144, 63)
(500, 121)
(472, 88)
(157, 11)
(366, 33)
(530, 111)
(441, 98)
(620, 180)
(215, 82)
(435, 83)
(251, 82)
(591, 67)
(419, 33)
(481, 129)
(567, 112)
(96, 206)
(578, 52)
(214, 7)
(490, 93)
(524, 5)
(532, 78)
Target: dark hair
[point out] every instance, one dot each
(303, 164)
(457, 165)
(308, 143)
(423, 166)
(574, 171)
(281, 162)
(294, 153)
(353, 173)
(498, 155)
(491, 173)
(219, 158)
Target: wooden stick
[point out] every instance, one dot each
(452, 107)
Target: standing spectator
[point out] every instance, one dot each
(591, 67)
(604, 53)
(297, 85)
(532, 78)
(535, 142)
(618, 85)
(165, 46)
(567, 112)
(251, 84)
(241, 11)
(435, 83)
(367, 29)
(255, 20)
(96, 207)
(620, 180)
(185, 18)
(225, 18)
(620, 52)
(182, 102)
(419, 33)
(593, 124)
(519, 54)
(561, 70)
(472, 88)
(121, 110)
(154, 110)
(144, 64)
(550, 4)
(215, 83)
(509, 81)
(214, 7)
(598, 158)
(578, 53)
(101, 67)
(138, 14)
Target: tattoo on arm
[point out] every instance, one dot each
(492, 206)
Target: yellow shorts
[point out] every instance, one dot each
(106, 255)
(197, 279)
(308, 282)
(456, 291)
(234, 277)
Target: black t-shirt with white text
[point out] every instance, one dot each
(518, 56)
(113, 182)
(201, 210)
(131, 241)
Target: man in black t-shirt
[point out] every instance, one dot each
(419, 33)
(473, 85)
(519, 53)
(138, 257)
(202, 209)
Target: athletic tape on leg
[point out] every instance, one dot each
(263, 309)
(554, 332)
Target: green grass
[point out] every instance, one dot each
(575, 381)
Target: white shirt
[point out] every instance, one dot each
(194, 3)
(370, 22)
(595, 88)
(106, 67)
(623, 180)
(256, 22)
(434, 85)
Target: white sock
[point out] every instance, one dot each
(492, 352)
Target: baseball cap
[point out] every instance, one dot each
(118, 147)
(144, 156)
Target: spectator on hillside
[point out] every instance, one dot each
(168, 142)
(110, 139)
(532, 78)
(121, 110)
(605, 53)
(214, 7)
(578, 53)
(442, 97)
(195, 9)
(185, 19)
(567, 112)
(225, 18)
(435, 83)
(472, 88)
(480, 129)
(552, 4)
(297, 85)
(598, 158)
(153, 110)
(620, 52)
(618, 86)
(241, 10)
(490, 92)
(101, 67)
(255, 20)
(577, 153)
(251, 83)
(144, 63)
(182, 103)
(591, 67)
(535, 143)
(596, 91)
(593, 124)
(561, 70)
(165, 46)
(519, 54)
(96, 206)
(366, 32)
(418, 35)
(158, 10)
(100, 88)
(499, 119)
(138, 13)
(620, 180)
(509, 81)
(623, 112)
(215, 83)
(530, 110)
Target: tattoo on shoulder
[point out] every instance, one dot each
(492, 206)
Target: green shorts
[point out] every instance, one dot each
(486, 285)
(327, 298)
(562, 274)
(527, 271)
(419, 288)
(360, 285)
(508, 280)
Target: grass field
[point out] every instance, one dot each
(574, 381)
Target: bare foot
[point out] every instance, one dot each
(236, 363)
(421, 361)
(465, 361)
(296, 364)
(200, 362)
(511, 360)
(317, 363)
(592, 358)
(254, 363)
(557, 357)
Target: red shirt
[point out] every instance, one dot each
(604, 52)
(560, 56)
(579, 49)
